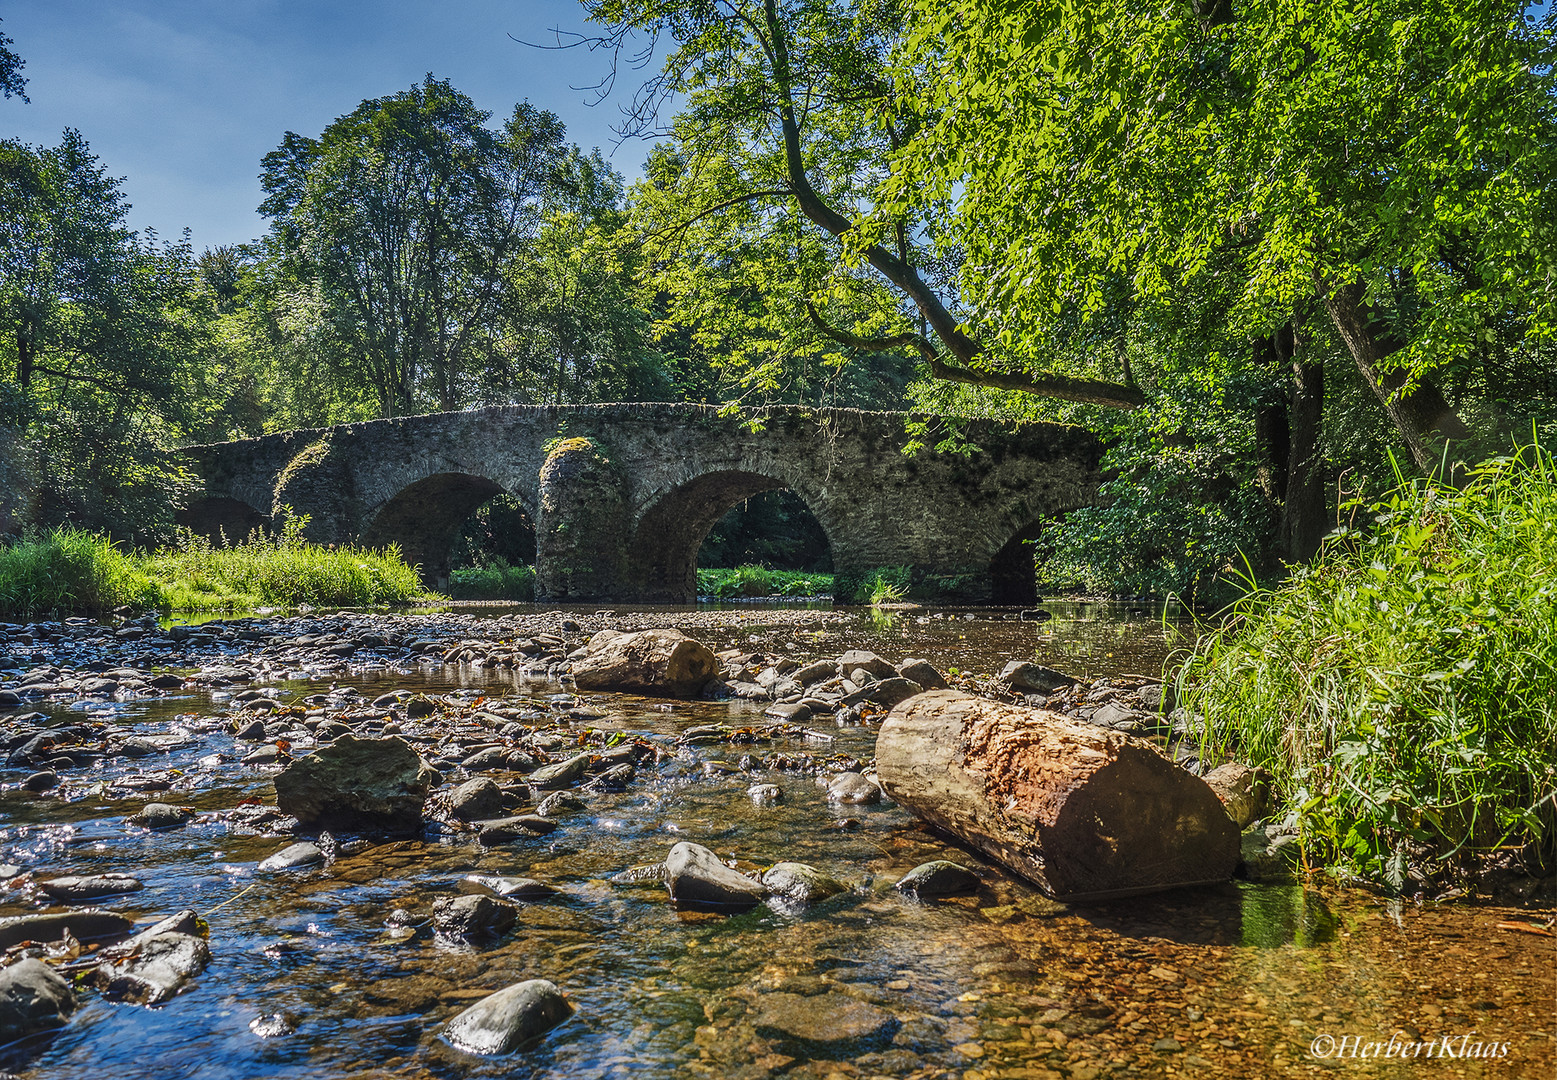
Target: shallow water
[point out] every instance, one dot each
(1238, 980)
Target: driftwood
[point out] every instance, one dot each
(1083, 812)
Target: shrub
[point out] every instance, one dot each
(1403, 688)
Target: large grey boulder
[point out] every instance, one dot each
(508, 1019)
(696, 878)
(659, 663)
(33, 997)
(355, 783)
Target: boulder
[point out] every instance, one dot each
(354, 783)
(155, 971)
(855, 659)
(33, 998)
(508, 1019)
(697, 879)
(923, 673)
(659, 663)
(1083, 812)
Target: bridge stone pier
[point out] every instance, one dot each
(622, 496)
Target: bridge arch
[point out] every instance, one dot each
(425, 516)
(662, 550)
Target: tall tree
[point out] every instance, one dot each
(1383, 165)
(787, 123)
(401, 220)
(11, 81)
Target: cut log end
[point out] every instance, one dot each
(1082, 812)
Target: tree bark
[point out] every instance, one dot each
(1424, 418)
(1305, 510)
(1083, 812)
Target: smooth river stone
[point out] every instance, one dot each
(157, 971)
(89, 887)
(33, 997)
(294, 857)
(825, 1024)
(696, 878)
(509, 1018)
(939, 878)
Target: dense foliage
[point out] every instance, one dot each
(1402, 690)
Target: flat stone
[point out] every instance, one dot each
(561, 775)
(1023, 675)
(506, 830)
(88, 887)
(85, 924)
(509, 888)
(508, 1019)
(823, 1025)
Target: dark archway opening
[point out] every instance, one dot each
(223, 521)
(1013, 572)
(773, 529)
(494, 553)
(424, 519)
(666, 547)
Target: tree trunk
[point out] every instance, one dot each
(1423, 417)
(1083, 812)
(1305, 511)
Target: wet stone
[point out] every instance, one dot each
(470, 917)
(697, 878)
(161, 816)
(86, 924)
(852, 789)
(799, 883)
(938, 878)
(89, 887)
(294, 857)
(41, 781)
(830, 1025)
(508, 1019)
(506, 830)
(158, 969)
(476, 799)
(509, 888)
(33, 997)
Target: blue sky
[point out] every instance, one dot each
(183, 97)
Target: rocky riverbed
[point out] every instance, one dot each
(605, 883)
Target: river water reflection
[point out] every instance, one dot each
(309, 979)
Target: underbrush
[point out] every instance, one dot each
(1402, 690)
(70, 570)
(754, 581)
(494, 581)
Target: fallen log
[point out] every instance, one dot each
(1083, 812)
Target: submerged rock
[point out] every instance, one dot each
(509, 888)
(509, 1018)
(696, 878)
(161, 816)
(938, 878)
(357, 783)
(467, 918)
(662, 663)
(799, 883)
(826, 1025)
(33, 997)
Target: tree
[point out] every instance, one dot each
(1381, 167)
(788, 122)
(399, 223)
(95, 326)
(11, 81)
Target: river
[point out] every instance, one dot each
(314, 976)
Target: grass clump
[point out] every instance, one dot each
(70, 570)
(883, 585)
(282, 571)
(1402, 689)
(496, 580)
(756, 581)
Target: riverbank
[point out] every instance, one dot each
(321, 952)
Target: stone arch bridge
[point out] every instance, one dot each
(622, 496)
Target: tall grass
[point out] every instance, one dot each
(757, 581)
(494, 581)
(1403, 688)
(69, 570)
(281, 570)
